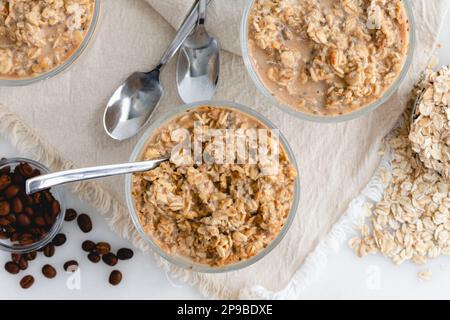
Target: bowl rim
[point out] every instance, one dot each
(58, 193)
(19, 82)
(318, 118)
(185, 262)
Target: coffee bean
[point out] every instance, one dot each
(30, 256)
(48, 271)
(29, 211)
(12, 191)
(39, 221)
(94, 257)
(12, 218)
(84, 222)
(125, 254)
(23, 264)
(25, 170)
(15, 257)
(3, 235)
(49, 218)
(12, 267)
(49, 250)
(26, 199)
(4, 222)
(48, 196)
(115, 277)
(5, 181)
(59, 239)
(26, 282)
(102, 248)
(56, 208)
(23, 220)
(110, 259)
(6, 169)
(37, 198)
(71, 266)
(17, 205)
(88, 246)
(5, 208)
(71, 215)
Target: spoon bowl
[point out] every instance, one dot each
(198, 65)
(132, 104)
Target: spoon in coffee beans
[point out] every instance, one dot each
(27, 219)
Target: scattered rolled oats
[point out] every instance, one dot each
(430, 131)
(425, 275)
(39, 35)
(211, 213)
(328, 57)
(412, 221)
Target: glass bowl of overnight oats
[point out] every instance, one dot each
(40, 39)
(327, 61)
(226, 197)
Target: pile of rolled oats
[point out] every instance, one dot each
(430, 132)
(328, 57)
(212, 213)
(412, 220)
(39, 35)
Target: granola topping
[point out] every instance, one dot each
(36, 36)
(328, 57)
(211, 213)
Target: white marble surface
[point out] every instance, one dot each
(345, 277)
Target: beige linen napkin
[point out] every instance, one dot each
(336, 160)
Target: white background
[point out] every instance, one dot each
(345, 277)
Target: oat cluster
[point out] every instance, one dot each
(412, 221)
(211, 213)
(430, 133)
(38, 35)
(329, 57)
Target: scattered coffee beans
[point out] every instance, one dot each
(71, 266)
(48, 271)
(125, 254)
(115, 277)
(110, 259)
(94, 257)
(59, 239)
(88, 246)
(84, 222)
(49, 250)
(102, 248)
(12, 267)
(27, 282)
(71, 215)
(23, 264)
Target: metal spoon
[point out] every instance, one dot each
(47, 181)
(198, 63)
(132, 104)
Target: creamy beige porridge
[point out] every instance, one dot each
(328, 57)
(36, 36)
(210, 213)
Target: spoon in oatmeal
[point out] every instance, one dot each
(47, 181)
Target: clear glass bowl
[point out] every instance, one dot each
(58, 194)
(185, 262)
(318, 118)
(16, 82)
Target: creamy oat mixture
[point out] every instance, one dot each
(214, 214)
(412, 221)
(38, 35)
(328, 57)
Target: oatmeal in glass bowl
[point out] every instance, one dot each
(325, 60)
(227, 196)
(41, 38)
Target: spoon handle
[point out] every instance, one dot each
(47, 181)
(202, 7)
(183, 32)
